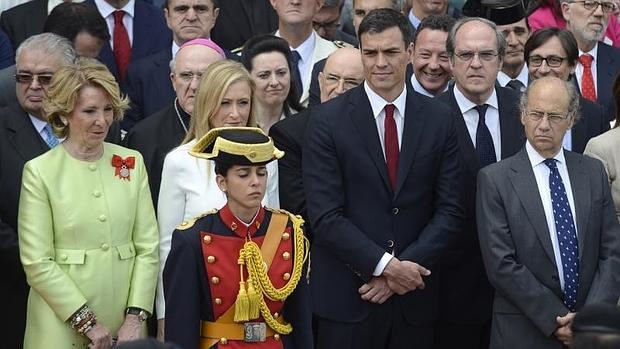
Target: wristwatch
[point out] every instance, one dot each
(140, 313)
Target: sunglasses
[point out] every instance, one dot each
(26, 78)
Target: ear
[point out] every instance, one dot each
(167, 16)
(409, 50)
(221, 182)
(321, 81)
(274, 4)
(523, 118)
(216, 12)
(565, 8)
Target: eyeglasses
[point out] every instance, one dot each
(553, 118)
(326, 25)
(348, 83)
(26, 78)
(189, 76)
(486, 56)
(593, 5)
(552, 61)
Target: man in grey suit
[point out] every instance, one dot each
(548, 233)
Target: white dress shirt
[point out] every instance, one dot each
(491, 119)
(523, 77)
(107, 12)
(541, 172)
(417, 87)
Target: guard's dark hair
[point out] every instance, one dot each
(69, 19)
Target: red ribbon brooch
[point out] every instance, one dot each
(122, 166)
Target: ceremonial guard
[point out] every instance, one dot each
(235, 277)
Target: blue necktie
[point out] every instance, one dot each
(50, 139)
(295, 58)
(567, 237)
(484, 142)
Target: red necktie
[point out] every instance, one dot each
(391, 144)
(587, 81)
(122, 48)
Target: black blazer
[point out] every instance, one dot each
(19, 143)
(592, 122)
(23, 21)
(154, 137)
(240, 20)
(288, 135)
(465, 288)
(357, 217)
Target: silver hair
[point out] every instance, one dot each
(51, 45)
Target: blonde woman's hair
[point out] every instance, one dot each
(213, 86)
(66, 84)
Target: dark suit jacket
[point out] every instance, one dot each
(23, 21)
(592, 123)
(148, 86)
(464, 286)
(19, 143)
(288, 135)
(357, 217)
(154, 137)
(150, 35)
(518, 252)
(240, 20)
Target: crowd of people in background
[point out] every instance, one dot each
(306, 174)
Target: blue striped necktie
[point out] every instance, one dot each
(50, 138)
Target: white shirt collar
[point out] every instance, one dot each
(377, 103)
(536, 159)
(306, 48)
(175, 48)
(592, 53)
(466, 105)
(420, 89)
(523, 76)
(106, 9)
(38, 124)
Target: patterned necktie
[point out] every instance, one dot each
(567, 237)
(295, 58)
(122, 48)
(587, 81)
(484, 142)
(391, 144)
(50, 139)
(516, 85)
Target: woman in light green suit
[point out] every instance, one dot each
(87, 230)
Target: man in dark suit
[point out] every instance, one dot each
(156, 135)
(24, 20)
(588, 25)
(554, 52)
(22, 138)
(343, 71)
(488, 130)
(148, 79)
(548, 233)
(381, 174)
(239, 20)
(148, 36)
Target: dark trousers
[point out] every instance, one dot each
(384, 328)
(452, 336)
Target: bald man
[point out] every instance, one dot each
(343, 71)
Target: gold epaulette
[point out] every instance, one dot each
(341, 44)
(188, 224)
(295, 218)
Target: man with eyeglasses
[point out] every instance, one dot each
(547, 227)
(24, 135)
(489, 130)
(554, 52)
(598, 62)
(326, 23)
(343, 71)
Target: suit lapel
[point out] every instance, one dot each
(510, 126)
(22, 134)
(580, 186)
(525, 187)
(412, 128)
(361, 115)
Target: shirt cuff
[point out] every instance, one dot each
(383, 262)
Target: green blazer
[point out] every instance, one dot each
(86, 236)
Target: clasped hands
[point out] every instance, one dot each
(564, 332)
(398, 277)
(101, 339)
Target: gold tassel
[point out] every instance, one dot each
(242, 302)
(253, 301)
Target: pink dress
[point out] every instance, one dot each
(544, 17)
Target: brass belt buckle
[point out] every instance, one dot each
(254, 332)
